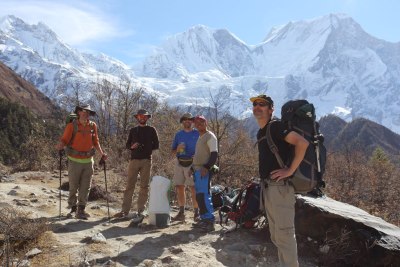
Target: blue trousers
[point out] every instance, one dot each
(203, 197)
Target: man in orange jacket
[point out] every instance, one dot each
(80, 140)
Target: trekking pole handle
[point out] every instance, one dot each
(102, 162)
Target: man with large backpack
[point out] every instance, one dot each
(80, 140)
(277, 192)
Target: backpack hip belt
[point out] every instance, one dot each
(72, 152)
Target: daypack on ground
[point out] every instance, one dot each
(245, 208)
(72, 118)
(217, 196)
(299, 115)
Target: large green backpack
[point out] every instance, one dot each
(73, 118)
(299, 116)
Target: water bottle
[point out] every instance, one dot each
(181, 150)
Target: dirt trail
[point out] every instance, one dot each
(68, 242)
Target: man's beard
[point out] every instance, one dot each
(258, 114)
(142, 122)
(84, 117)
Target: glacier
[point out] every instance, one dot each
(329, 60)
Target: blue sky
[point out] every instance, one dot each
(129, 30)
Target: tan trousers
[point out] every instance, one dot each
(279, 203)
(136, 167)
(80, 179)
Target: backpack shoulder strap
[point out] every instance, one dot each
(272, 145)
(75, 130)
(91, 123)
(262, 138)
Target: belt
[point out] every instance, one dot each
(270, 182)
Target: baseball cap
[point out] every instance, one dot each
(200, 117)
(186, 116)
(263, 98)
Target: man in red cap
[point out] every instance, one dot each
(278, 194)
(204, 158)
(80, 141)
(142, 142)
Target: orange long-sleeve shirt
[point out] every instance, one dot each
(85, 139)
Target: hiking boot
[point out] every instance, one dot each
(206, 225)
(137, 218)
(196, 217)
(71, 213)
(179, 217)
(121, 215)
(81, 214)
(199, 223)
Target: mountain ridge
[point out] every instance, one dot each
(359, 134)
(329, 60)
(16, 89)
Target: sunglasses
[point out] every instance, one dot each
(141, 116)
(261, 104)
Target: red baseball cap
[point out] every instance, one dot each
(200, 117)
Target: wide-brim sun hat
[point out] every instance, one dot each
(186, 115)
(262, 98)
(142, 112)
(85, 107)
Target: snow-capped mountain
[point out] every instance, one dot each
(198, 50)
(330, 60)
(38, 55)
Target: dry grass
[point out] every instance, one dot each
(54, 254)
(18, 232)
(368, 183)
(336, 248)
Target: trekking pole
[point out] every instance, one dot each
(317, 153)
(60, 152)
(103, 162)
(316, 144)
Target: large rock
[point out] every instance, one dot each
(350, 235)
(99, 238)
(96, 192)
(6, 178)
(33, 252)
